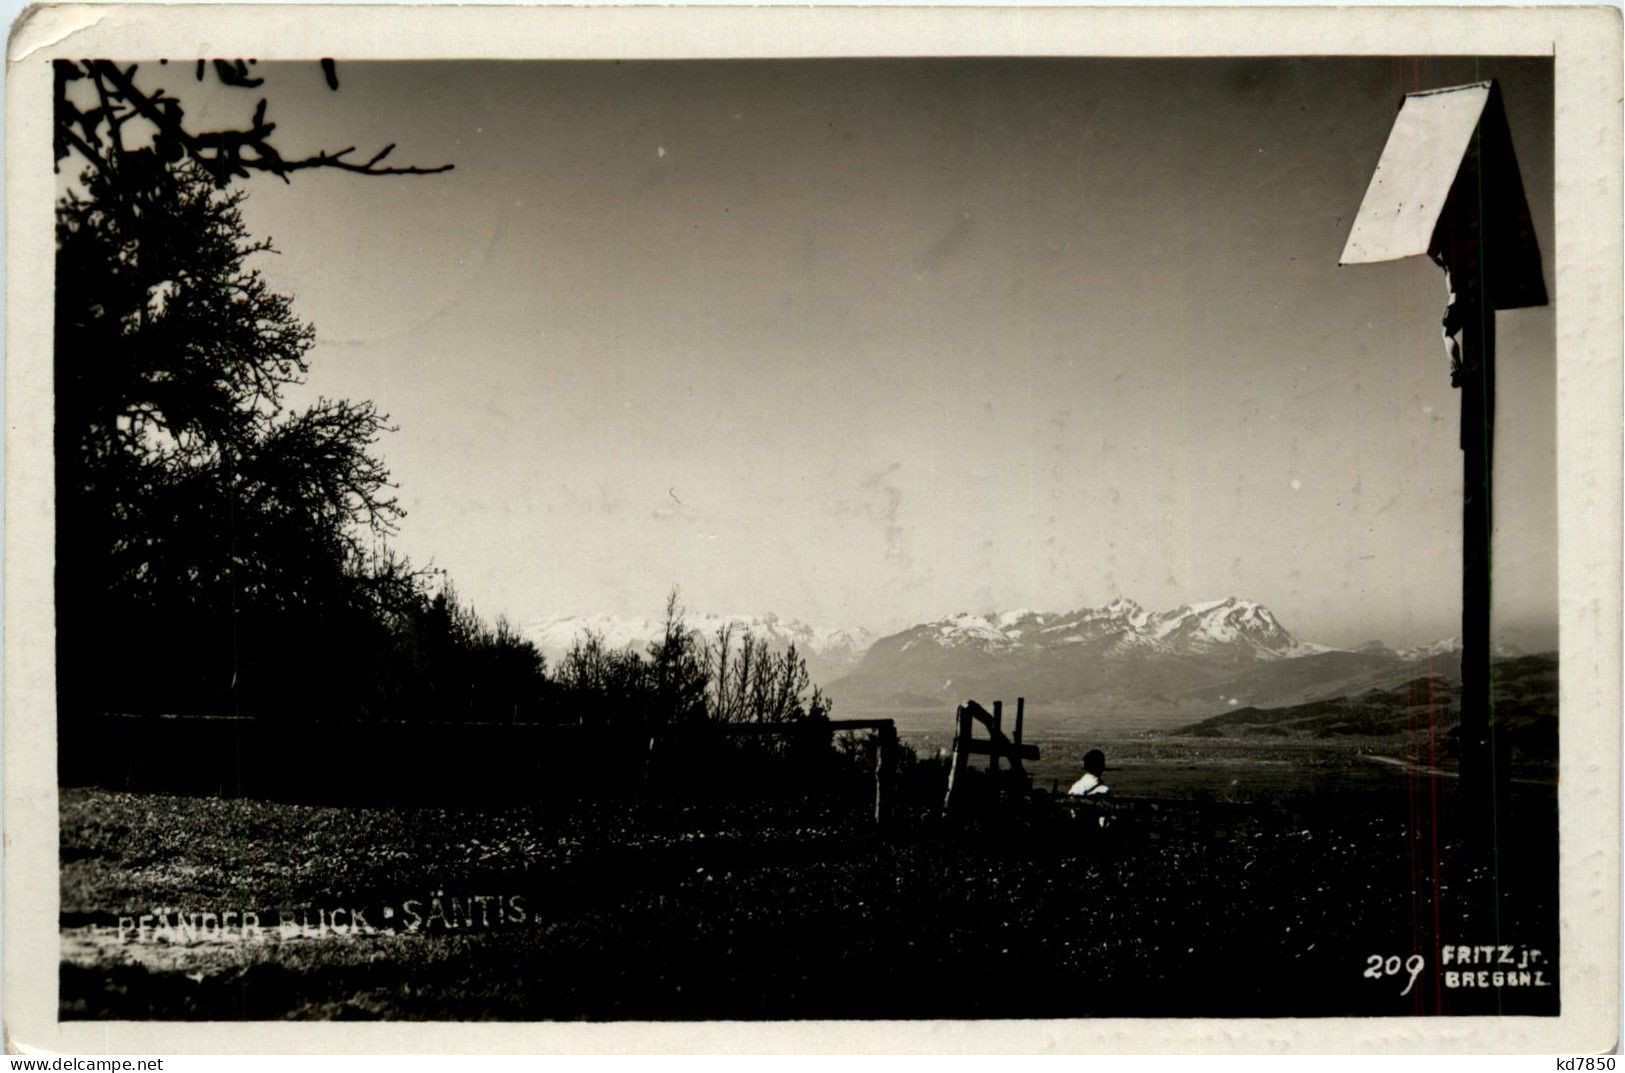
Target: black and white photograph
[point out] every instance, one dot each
(784, 538)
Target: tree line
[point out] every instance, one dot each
(684, 679)
(220, 550)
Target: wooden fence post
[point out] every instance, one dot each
(1017, 768)
(996, 747)
(961, 756)
(885, 758)
(998, 730)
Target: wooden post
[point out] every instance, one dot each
(885, 758)
(649, 761)
(998, 727)
(1482, 776)
(961, 756)
(1016, 766)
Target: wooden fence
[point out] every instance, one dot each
(996, 747)
(885, 731)
(406, 763)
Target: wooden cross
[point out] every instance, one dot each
(1448, 186)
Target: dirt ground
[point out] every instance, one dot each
(1267, 905)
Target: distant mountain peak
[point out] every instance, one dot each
(1230, 623)
(1452, 646)
(1448, 646)
(829, 650)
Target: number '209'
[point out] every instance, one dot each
(1378, 967)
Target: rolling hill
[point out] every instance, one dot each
(1523, 689)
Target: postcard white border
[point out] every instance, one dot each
(1585, 44)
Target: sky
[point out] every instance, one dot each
(873, 342)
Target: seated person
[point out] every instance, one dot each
(1094, 765)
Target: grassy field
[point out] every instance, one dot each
(1267, 900)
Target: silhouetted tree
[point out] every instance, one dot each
(604, 687)
(196, 512)
(216, 549)
(446, 664)
(677, 671)
(127, 133)
(750, 683)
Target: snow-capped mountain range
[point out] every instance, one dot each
(1124, 662)
(1450, 646)
(1240, 628)
(1121, 656)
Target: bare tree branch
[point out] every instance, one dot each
(225, 154)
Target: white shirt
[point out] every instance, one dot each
(1089, 784)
